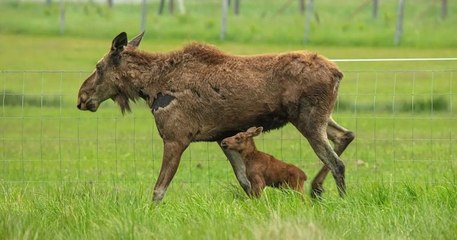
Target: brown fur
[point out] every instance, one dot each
(200, 93)
(263, 169)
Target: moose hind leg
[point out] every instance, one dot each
(312, 122)
(172, 151)
(341, 138)
(239, 168)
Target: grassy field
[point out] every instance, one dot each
(95, 211)
(67, 174)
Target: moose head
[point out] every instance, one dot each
(106, 81)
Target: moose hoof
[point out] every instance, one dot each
(158, 196)
(316, 192)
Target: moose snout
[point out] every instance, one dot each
(81, 104)
(82, 98)
(85, 103)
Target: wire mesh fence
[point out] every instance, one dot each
(404, 123)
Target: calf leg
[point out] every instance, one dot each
(341, 138)
(296, 182)
(258, 184)
(172, 151)
(238, 167)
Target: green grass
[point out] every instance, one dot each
(372, 211)
(67, 174)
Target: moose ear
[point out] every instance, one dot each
(119, 42)
(135, 42)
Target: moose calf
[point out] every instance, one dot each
(263, 169)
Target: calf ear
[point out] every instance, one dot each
(119, 42)
(257, 131)
(135, 42)
(251, 130)
(254, 131)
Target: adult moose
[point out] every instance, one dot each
(200, 93)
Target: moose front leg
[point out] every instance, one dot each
(238, 167)
(172, 151)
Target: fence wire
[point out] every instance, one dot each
(404, 123)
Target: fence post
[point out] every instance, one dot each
(224, 19)
(443, 9)
(181, 7)
(171, 7)
(399, 29)
(237, 7)
(62, 17)
(374, 11)
(302, 6)
(143, 15)
(309, 13)
(161, 5)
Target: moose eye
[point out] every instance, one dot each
(238, 139)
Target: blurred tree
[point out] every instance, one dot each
(48, 2)
(110, 3)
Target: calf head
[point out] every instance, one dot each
(106, 80)
(241, 140)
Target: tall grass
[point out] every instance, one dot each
(371, 211)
